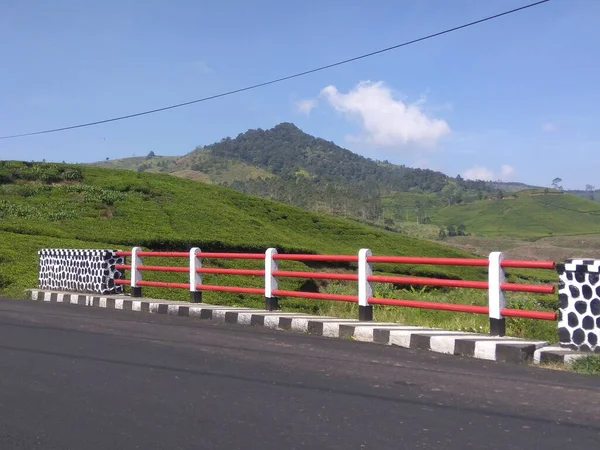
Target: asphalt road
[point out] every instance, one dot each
(81, 378)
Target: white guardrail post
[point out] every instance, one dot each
(136, 274)
(271, 301)
(195, 277)
(496, 301)
(365, 287)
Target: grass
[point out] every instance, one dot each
(89, 207)
(528, 214)
(585, 365)
(525, 214)
(589, 365)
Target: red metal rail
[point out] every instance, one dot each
(514, 263)
(526, 314)
(522, 264)
(258, 273)
(316, 295)
(430, 261)
(514, 287)
(316, 275)
(231, 255)
(163, 284)
(540, 315)
(303, 257)
(165, 254)
(164, 268)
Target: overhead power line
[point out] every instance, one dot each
(278, 80)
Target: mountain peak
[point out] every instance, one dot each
(286, 126)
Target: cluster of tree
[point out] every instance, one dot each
(452, 230)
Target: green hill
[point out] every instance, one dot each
(526, 214)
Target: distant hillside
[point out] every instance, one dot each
(512, 186)
(530, 213)
(288, 165)
(593, 195)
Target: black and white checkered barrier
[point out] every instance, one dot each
(579, 295)
(80, 270)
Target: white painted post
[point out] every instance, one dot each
(496, 299)
(271, 301)
(136, 274)
(365, 287)
(195, 277)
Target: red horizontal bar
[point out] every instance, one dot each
(432, 261)
(513, 287)
(122, 282)
(533, 288)
(239, 290)
(123, 266)
(164, 268)
(540, 315)
(121, 253)
(231, 271)
(430, 305)
(316, 295)
(231, 255)
(523, 264)
(163, 284)
(165, 254)
(303, 257)
(316, 275)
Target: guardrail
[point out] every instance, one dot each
(496, 284)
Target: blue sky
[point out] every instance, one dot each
(513, 99)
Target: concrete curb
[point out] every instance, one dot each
(555, 354)
(501, 349)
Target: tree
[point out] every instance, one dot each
(590, 188)
(556, 183)
(107, 158)
(150, 155)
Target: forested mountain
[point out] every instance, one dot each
(317, 174)
(285, 164)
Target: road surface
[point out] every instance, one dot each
(82, 378)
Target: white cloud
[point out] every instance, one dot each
(305, 106)
(548, 127)
(485, 174)
(386, 121)
(507, 171)
(479, 173)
